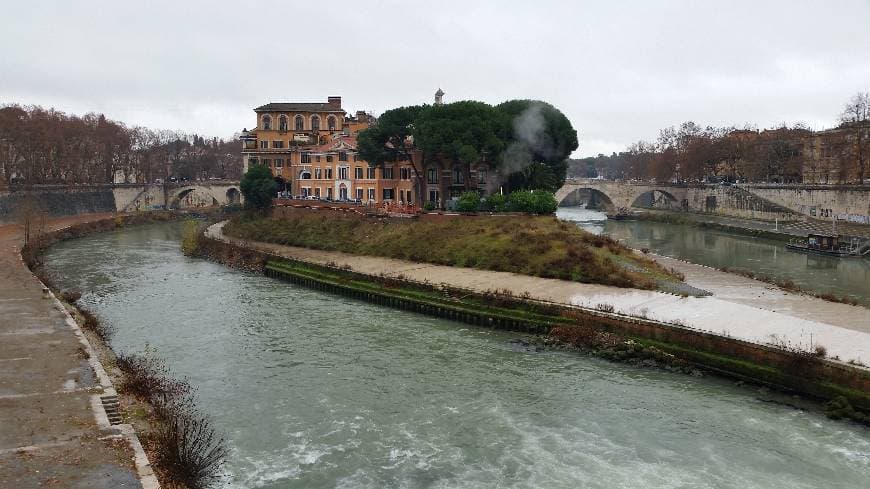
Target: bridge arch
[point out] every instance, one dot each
(218, 195)
(233, 196)
(656, 199)
(592, 198)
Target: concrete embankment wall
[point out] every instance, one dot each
(850, 203)
(57, 202)
(799, 372)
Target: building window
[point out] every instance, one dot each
(279, 162)
(329, 158)
(300, 123)
(253, 162)
(267, 162)
(264, 144)
(370, 173)
(282, 123)
(389, 194)
(387, 173)
(306, 191)
(305, 175)
(317, 192)
(267, 123)
(405, 173)
(315, 123)
(458, 175)
(359, 194)
(306, 158)
(330, 123)
(328, 172)
(481, 176)
(329, 193)
(317, 173)
(317, 158)
(357, 173)
(342, 173)
(342, 192)
(372, 194)
(277, 144)
(432, 176)
(433, 196)
(342, 156)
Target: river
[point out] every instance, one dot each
(821, 274)
(316, 390)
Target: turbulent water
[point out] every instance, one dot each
(839, 276)
(316, 390)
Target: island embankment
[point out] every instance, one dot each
(539, 246)
(576, 313)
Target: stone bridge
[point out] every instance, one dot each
(784, 202)
(175, 195)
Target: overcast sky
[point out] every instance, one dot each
(620, 71)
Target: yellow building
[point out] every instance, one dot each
(311, 150)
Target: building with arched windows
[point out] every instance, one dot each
(311, 150)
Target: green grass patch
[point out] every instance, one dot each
(539, 246)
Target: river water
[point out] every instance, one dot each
(316, 390)
(839, 276)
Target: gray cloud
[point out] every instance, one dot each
(619, 72)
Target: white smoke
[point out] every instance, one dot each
(531, 137)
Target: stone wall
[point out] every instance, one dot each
(58, 202)
(849, 203)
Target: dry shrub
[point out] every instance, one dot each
(71, 296)
(92, 323)
(190, 451)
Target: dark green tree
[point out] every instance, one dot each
(259, 187)
(540, 134)
(462, 133)
(389, 141)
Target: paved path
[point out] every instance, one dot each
(49, 434)
(739, 307)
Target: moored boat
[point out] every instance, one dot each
(825, 244)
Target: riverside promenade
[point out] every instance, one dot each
(53, 429)
(739, 307)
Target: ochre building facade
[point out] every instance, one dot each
(311, 149)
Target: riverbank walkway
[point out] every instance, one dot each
(49, 435)
(798, 229)
(739, 307)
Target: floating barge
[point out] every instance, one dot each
(825, 244)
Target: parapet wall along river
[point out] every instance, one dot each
(317, 390)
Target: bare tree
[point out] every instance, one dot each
(856, 117)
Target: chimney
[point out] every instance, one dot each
(334, 101)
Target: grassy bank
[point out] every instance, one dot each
(540, 246)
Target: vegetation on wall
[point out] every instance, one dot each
(532, 245)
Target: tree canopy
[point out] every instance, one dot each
(540, 142)
(387, 141)
(526, 141)
(258, 186)
(462, 132)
